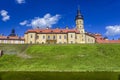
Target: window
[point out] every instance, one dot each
(60, 43)
(31, 35)
(71, 36)
(48, 37)
(30, 42)
(75, 37)
(43, 37)
(59, 37)
(82, 39)
(65, 37)
(53, 37)
(37, 37)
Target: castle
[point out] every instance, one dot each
(57, 36)
(60, 36)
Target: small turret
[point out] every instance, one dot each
(12, 33)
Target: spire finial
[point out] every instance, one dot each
(78, 7)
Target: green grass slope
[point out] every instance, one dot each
(76, 57)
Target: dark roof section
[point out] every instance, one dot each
(79, 15)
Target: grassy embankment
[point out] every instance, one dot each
(78, 57)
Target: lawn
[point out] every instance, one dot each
(72, 57)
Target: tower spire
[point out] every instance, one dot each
(79, 16)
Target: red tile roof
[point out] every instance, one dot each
(108, 41)
(50, 31)
(11, 38)
(100, 39)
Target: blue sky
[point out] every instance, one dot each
(100, 16)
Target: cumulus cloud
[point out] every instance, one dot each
(47, 21)
(4, 15)
(24, 23)
(113, 30)
(20, 1)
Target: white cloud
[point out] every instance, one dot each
(20, 1)
(46, 21)
(4, 15)
(113, 30)
(24, 23)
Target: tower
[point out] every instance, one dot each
(79, 22)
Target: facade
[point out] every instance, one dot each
(60, 36)
(11, 39)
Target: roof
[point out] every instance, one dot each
(52, 31)
(90, 34)
(11, 38)
(108, 41)
(100, 39)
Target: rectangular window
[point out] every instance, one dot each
(65, 37)
(43, 37)
(82, 39)
(31, 35)
(48, 37)
(75, 37)
(37, 37)
(71, 36)
(59, 37)
(30, 42)
(53, 37)
(60, 43)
